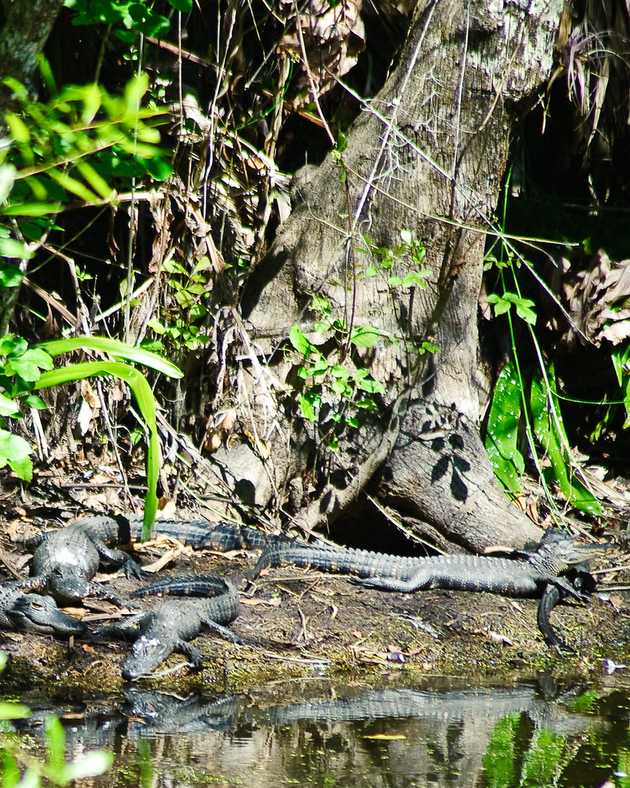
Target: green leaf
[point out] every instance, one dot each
(115, 348)
(31, 209)
(8, 407)
(501, 440)
(146, 404)
(307, 408)
(10, 275)
(551, 435)
(369, 385)
(17, 128)
(365, 336)
(13, 711)
(14, 451)
(134, 91)
(33, 401)
(300, 342)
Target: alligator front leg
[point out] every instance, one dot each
(551, 597)
(118, 559)
(192, 654)
(126, 629)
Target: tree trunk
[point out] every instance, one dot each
(427, 154)
(24, 28)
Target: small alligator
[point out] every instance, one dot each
(170, 625)
(66, 560)
(525, 573)
(34, 613)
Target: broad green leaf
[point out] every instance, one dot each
(369, 385)
(13, 711)
(96, 181)
(307, 408)
(550, 434)
(181, 5)
(365, 336)
(146, 404)
(8, 407)
(13, 446)
(134, 91)
(33, 401)
(115, 348)
(22, 468)
(502, 431)
(10, 344)
(9, 770)
(10, 275)
(300, 342)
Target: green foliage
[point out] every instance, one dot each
(332, 374)
(181, 323)
(24, 370)
(409, 254)
(549, 429)
(502, 432)
(128, 18)
(527, 406)
(68, 150)
(620, 358)
(539, 417)
(137, 383)
(543, 759)
(330, 367)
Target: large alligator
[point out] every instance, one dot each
(524, 573)
(66, 560)
(34, 613)
(172, 624)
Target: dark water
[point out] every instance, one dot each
(310, 733)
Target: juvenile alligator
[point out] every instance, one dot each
(66, 560)
(170, 625)
(526, 573)
(34, 613)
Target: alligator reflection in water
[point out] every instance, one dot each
(380, 737)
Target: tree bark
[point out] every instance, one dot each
(24, 28)
(427, 154)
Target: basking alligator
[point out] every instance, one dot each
(170, 625)
(34, 613)
(526, 573)
(66, 560)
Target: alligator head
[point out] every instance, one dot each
(147, 653)
(558, 551)
(68, 584)
(40, 614)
